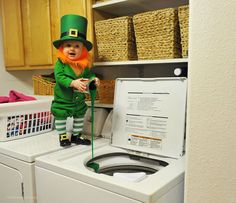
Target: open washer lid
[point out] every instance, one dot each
(149, 115)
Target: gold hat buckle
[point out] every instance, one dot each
(73, 33)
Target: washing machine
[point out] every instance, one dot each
(144, 161)
(17, 164)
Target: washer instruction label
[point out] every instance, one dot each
(146, 118)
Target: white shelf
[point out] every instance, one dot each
(141, 62)
(100, 105)
(132, 7)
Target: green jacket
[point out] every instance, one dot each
(67, 101)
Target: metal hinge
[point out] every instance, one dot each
(22, 190)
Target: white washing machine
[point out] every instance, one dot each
(143, 163)
(17, 165)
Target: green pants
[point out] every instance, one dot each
(63, 110)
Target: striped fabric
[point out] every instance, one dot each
(60, 126)
(78, 126)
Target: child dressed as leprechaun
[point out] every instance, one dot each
(72, 73)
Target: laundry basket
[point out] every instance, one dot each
(24, 119)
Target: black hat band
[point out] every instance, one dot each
(73, 33)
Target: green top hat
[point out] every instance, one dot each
(73, 27)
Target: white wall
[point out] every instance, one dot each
(15, 80)
(211, 123)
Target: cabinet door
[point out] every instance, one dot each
(11, 185)
(37, 32)
(12, 32)
(89, 15)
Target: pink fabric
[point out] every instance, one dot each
(15, 96)
(4, 99)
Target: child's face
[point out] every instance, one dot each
(72, 49)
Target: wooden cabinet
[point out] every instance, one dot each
(37, 32)
(30, 27)
(12, 32)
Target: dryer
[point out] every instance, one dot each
(144, 161)
(17, 159)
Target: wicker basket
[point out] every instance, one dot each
(183, 13)
(115, 39)
(42, 86)
(100, 1)
(157, 34)
(106, 91)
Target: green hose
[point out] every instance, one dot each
(92, 92)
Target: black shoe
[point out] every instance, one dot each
(64, 140)
(79, 140)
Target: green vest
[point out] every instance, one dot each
(67, 101)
